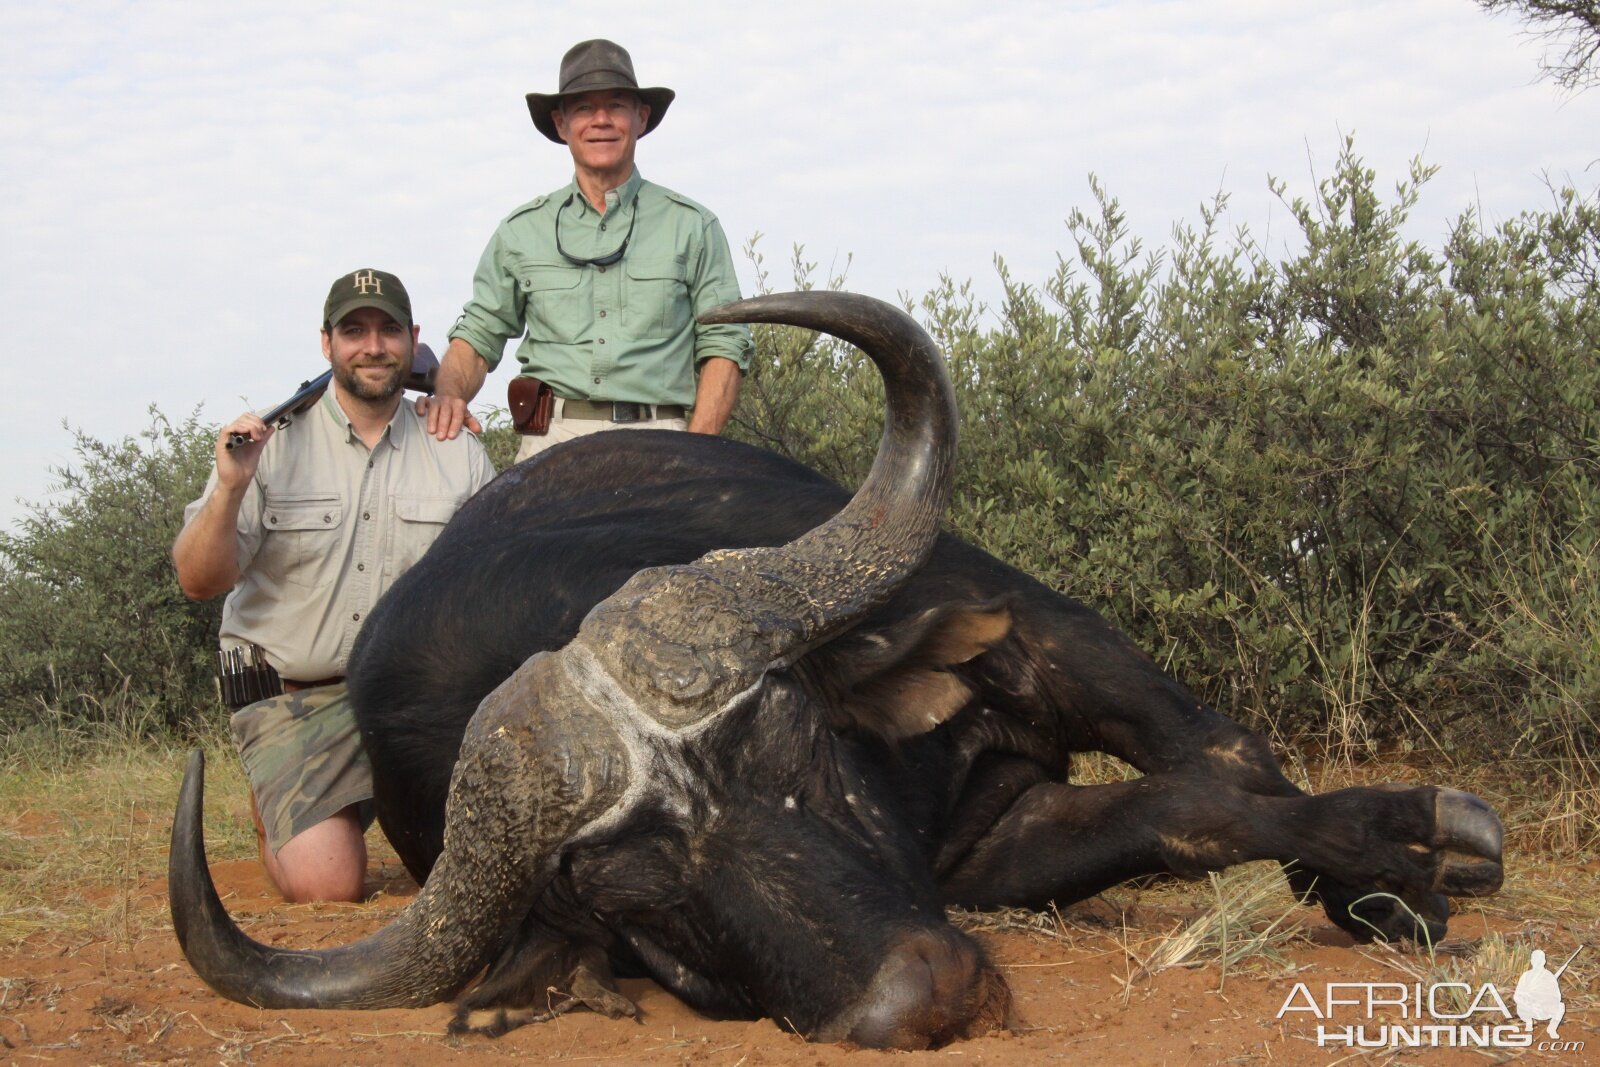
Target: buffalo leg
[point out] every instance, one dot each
(1109, 697)
(1171, 732)
(1168, 734)
(1062, 843)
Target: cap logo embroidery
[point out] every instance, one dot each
(365, 279)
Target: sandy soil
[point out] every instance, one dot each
(1078, 991)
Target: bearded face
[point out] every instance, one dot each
(370, 354)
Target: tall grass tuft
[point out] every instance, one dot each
(84, 822)
(1244, 927)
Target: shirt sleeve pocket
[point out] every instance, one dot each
(299, 537)
(656, 304)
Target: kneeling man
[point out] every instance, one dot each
(305, 529)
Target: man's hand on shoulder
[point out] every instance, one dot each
(461, 375)
(446, 415)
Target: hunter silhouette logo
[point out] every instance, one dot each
(1450, 1014)
(369, 284)
(1538, 994)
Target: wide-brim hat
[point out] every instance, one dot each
(587, 67)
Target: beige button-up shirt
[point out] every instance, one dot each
(327, 526)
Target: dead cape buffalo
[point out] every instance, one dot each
(667, 705)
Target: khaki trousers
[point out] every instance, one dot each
(565, 429)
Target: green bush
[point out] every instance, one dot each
(1352, 489)
(95, 630)
(499, 439)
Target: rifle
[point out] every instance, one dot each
(424, 369)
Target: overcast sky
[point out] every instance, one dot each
(181, 182)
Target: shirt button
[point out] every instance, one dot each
(361, 566)
(602, 314)
(596, 381)
(602, 270)
(366, 514)
(602, 340)
(274, 519)
(327, 518)
(602, 227)
(356, 617)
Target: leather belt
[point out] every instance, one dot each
(292, 686)
(618, 411)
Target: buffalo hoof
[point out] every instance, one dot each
(1467, 841)
(1459, 855)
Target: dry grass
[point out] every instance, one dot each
(1489, 959)
(1075, 927)
(1247, 919)
(79, 837)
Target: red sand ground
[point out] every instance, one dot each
(138, 1002)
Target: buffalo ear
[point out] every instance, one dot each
(896, 682)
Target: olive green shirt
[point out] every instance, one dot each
(623, 331)
(327, 526)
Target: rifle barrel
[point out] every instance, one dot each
(303, 398)
(424, 368)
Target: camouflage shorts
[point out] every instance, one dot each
(302, 753)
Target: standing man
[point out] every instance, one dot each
(605, 277)
(305, 530)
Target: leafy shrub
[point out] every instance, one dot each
(95, 626)
(1350, 489)
(499, 439)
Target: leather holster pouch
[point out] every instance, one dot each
(532, 402)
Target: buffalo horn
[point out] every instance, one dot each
(684, 641)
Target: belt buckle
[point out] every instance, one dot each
(626, 411)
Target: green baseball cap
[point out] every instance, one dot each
(367, 288)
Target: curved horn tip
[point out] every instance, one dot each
(733, 311)
(193, 787)
(770, 307)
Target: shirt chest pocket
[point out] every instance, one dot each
(418, 521)
(655, 304)
(553, 301)
(301, 539)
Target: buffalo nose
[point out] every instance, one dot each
(933, 987)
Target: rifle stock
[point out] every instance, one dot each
(424, 369)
